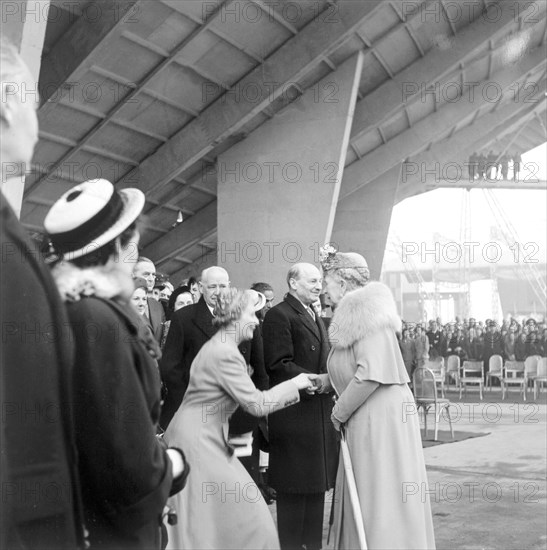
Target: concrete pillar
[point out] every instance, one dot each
(24, 23)
(278, 189)
(362, 220)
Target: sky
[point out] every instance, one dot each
(437, 216)
(419, 218)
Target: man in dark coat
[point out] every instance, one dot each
(40, 491)
(303, 448)
(155, 314)
(190, 328)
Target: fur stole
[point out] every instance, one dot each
(363, 312)
(104, 281)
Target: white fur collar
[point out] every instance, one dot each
(362, 312)
(104, 281)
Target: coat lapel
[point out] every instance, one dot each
(204, 319)
(306, 318)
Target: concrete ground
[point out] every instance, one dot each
(489, 493)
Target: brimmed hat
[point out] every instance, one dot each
(91, 215)
(165, 284)
(257, 299)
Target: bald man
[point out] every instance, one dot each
(303, 448)
(190, 328)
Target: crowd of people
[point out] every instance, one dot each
(472, 340)
(111, 442)
(494, 166)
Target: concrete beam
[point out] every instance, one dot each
(432, 127)
(362, 220)
(392, 96)
(448, 159)
(75, 52)
(227, 115)
(432, 183)
(278, 190)
(189, 232)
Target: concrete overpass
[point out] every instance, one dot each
(274, 127)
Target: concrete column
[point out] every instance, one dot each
(24, 23)
(278, 189)
(362, 220)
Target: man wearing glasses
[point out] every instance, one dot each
(154, 313)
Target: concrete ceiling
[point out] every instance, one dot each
(148, 93)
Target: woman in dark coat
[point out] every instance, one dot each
(126, 473)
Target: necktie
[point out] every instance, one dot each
(311, 312)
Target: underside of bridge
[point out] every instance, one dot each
(275, 126)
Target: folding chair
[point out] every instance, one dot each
(513, 375)
(437, 368)
(541, 376)
(425, 395)
(472, 374)
(495, 370)
(453, 370)
(531, 369)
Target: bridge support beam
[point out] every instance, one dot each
(278, 189)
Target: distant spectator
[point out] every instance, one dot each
(407, 351)
(180, 297)
(473, 166)
(521, 348)
(193, 285)
(504, 162)
(421, 347)
(267, 290)
(517, 160)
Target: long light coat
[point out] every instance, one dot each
(221, 506)
(383, 432)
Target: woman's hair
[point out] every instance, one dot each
(230, 304)
(175, 294)
(100, 256)
(355, 277)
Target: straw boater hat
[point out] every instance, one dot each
(91, 215)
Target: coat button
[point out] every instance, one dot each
(313, 348)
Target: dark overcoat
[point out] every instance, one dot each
(40, 500)
(157, 317)
(124, 470)
(303, 447)
(190, 328)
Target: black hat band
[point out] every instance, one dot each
(85, 234)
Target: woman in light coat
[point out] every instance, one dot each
(222, 506)
(377, 410)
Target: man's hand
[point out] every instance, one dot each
(321, 383)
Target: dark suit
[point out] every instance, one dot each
(37, 354)
(156, 317)
(303, 448)
(190, 328)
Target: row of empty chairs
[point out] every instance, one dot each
(471, 373)
(426, 380)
